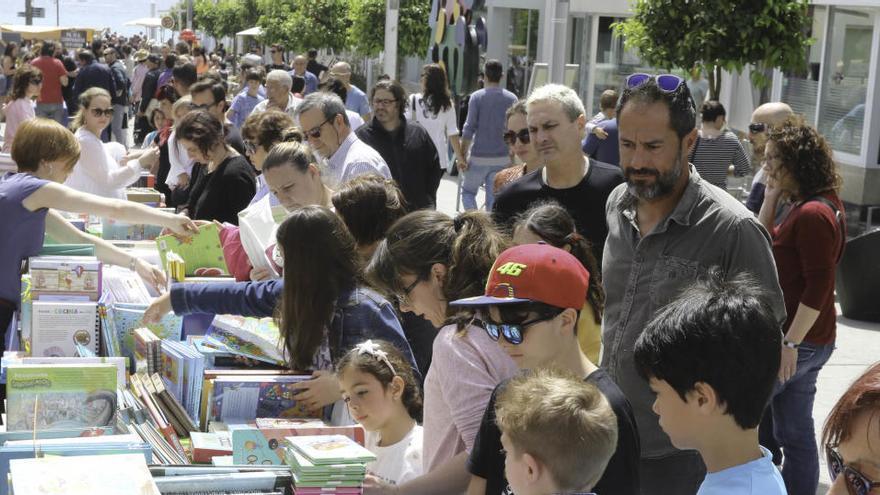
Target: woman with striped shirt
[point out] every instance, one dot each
(717, 148)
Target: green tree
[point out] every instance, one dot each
(226, 17)
(719, 34)
(367, 32)
(299, 25)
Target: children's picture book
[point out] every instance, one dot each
(57, 328)
(263, 444)
(17, 358)
(45, 397)
(255, 338)
(121, 474)
(241, 399)
(119, 321)
(201, 253)
(330, 449)
(205, 446)
(64, 275)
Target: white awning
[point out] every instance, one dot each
(155, 22)
(254, 31)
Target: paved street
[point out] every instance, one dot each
(858, 345)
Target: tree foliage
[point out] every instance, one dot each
(719, 34)
(226, 17)
(367, 33)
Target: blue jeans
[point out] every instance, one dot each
(54, 111)
(474, 177)
(792, 409)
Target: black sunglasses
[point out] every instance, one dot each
(97, 112)
(315, 132)
(510, 137)
(757, 127)
(856, 482)
(37, 80)
(668, 83)
(513, 332)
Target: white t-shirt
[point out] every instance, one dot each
(398, 463)
(98, 170)
(439, 126)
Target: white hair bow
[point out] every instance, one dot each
(372, 348)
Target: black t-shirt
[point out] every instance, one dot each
(621, 477)
(585, 201)
(221, 194)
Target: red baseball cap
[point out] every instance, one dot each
(534, 273)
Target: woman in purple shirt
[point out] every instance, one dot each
(45, 153)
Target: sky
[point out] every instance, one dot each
(86, 13)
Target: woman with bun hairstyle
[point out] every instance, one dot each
(426, 260)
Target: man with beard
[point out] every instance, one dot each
(666, 228)
(557, 126)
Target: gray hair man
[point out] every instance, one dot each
(322, 117)
(278, 95)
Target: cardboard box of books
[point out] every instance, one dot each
(45, 397)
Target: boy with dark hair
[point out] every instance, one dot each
(711, 356)
(531, 306)
(546, 415)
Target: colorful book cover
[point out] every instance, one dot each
(265, 443)
(256, 338)
(202, 252)
(65, 274)
(244, 399)
(122, 319)
(330, 449)
(63, 396)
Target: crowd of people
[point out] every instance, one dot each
(624, 328)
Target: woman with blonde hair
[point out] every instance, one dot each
(103, 168)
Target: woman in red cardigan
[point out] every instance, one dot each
(806, 220)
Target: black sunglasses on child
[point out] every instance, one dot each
(514, 332)
(510, 137)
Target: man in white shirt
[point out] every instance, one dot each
(279, 97)
(324, 121)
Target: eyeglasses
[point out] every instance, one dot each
(668, 83)
(510, 137)
(856, 482)
(36, 81)
(203, 106)
(757, 127)
(315, 132)
(98, 112)
(513, 332)
(381, 102)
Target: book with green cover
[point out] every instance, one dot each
(330, 449)
(63, 396)
(202, 253)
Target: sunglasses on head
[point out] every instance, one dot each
(510, 137)
(98, 112)
(757, 127)
(514, 332)
(668, 83)
(856, 482)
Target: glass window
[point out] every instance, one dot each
(801, 89)
(523, 48)
(845, 84)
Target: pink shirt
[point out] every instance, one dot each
(17, 111)
(464, 371)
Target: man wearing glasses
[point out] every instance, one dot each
(323, 118)
(766, 115)
(666, 228)
(405, 146)
(210, 96)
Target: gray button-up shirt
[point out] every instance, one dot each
(707, 228)
(353, 158)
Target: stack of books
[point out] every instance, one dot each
(327, 464)
(263, 443)
(147, 351)
(146, 409)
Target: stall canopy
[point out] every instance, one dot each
(152, 22)
(47, 32)
(254, 31)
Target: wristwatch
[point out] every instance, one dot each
(790, 345)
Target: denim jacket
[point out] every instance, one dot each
(359, 314)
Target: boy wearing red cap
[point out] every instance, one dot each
(530, 307)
